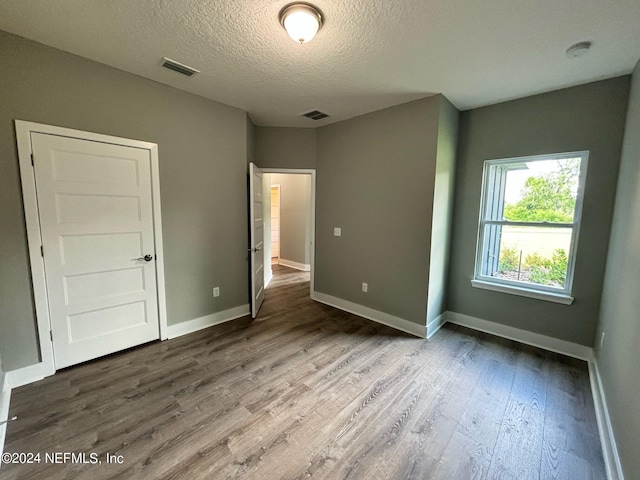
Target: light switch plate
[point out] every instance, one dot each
(337, 232)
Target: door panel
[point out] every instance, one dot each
(78, 167)
(90, 287)
(91, 325)
(78, 251)
(256, 227)
(96, 214)
(83, 209)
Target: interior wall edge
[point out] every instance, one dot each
(5, 400)
(610, 454)
(371, 314)
(436, 324)
(190, 326)
(556, 345)
(581, 352)
(305, 267)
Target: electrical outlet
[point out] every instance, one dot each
(601, 339)
(216, 291)
(365, 287)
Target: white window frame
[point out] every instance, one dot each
(541, 292)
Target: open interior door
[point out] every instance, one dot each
(256, 222)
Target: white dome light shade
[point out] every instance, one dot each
(301, 26)
(301, 21)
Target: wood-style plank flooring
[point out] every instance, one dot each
(307, 391)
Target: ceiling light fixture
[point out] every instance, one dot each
(301, 21)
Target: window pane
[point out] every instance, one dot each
(541, 190)
(535, 255)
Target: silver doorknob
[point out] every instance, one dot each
(255, 249)
(146, 258)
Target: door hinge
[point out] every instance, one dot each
(51, 335)
(32, 164)
(41, 250)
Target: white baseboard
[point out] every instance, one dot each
(612, 461)
(605, 429)
(25, 375)
(33, 373)
(305, 267)
(436, 324)
(607, 439)
(5, 399)
(564, 347)
(371, 314)
(217, 318)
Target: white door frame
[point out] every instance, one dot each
(24, 129)
(256, 244)
(312, 172)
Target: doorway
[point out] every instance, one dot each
(288, 241)
(260, 272)
(94, 231)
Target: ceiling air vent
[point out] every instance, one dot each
(315, 115)
(179, 67)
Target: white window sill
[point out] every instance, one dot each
(524, 292)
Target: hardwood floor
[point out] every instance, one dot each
(307, 391)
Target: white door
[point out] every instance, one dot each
(96, 215)
(256, 227)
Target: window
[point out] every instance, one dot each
(529, 225)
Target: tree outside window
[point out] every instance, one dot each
(529, 221)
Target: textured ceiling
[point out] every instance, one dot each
(370, 54)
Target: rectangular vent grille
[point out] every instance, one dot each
(179, 67)
(315, 115)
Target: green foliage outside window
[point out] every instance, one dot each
(509, 259)
(535, 268)
(547, 198)
(548, 271)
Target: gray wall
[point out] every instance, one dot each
(203, 171)
(589, 117)
(619, 357)
(4, 391)
(1, 375)
(295, 216)
(375, 180)
(442, 209)
(284, 147)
